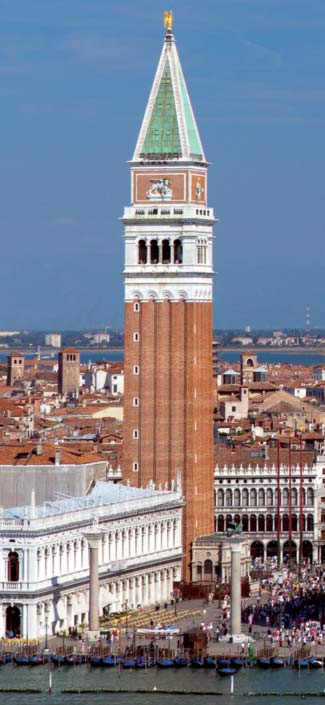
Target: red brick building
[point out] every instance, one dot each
(168, 436)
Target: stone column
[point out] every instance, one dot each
(235, 606)
(93, 538)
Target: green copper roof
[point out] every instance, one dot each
(192, 133)
(163, 133)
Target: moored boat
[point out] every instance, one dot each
(95, 661)
(315, 662)
(301, 663)
(226, 671)
(58, 660)
(73, 660)
(197, 662)
(264, 663)
(108, 661)
(209, 662)
(128, 662)
(223, 662)
(237, 662)
(181, 662)
(165, 663)
(36, 660)
(21, 660)
(277, 662)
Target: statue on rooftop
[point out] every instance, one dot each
(234, 529)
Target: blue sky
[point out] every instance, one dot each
(74, 80)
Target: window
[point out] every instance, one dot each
(233, 408)
(201, 251)
(142, 252)
(154, 252)
(136, 401)
(135, 467)
(114, 388)
(165, 252)
(178, 252)
(13, 567)
(136, 307)
(136, 337)
(136, 434)
(136, 369)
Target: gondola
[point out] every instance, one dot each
(108, 661)
(58, 660)
(95, 661)
(144, 662)
(165, 663)
(301, 663)
(36, 660)
(264, 663)
(197, 662)
(22, 660)
(73, 660)
(128, 662)
(226, 671)
(277, 662)
(181, 662)
(315, 662)
(2, 659)
(209, 662)
(237, 662)
(223, 662)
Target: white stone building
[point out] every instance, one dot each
(44, 571)
(247, 482)
(53, 340)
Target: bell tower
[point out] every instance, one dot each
(168, 412)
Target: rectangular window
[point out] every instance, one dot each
(135, 434)
(136, 307)
(136, 337)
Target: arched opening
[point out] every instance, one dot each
(221, 523)
(13, 567)
(220, 498)
(310, 497)
(303, 523)
(154, 252)
(208, 569)
(236, 498)
(285, 522)
(253, 498)
(294, 522)
(269, 497)
(178, 252)
(269, 522)
(307, 551)
(228, 520)
(228, 498)
(244, 496)
(272, 549)
(285, 497)
(165, 252)
(294, 496)
(253, 522)
(249, 362)
(142, 252)
(261, 498)
(310, 522)
(237, 519)
(261, 522)
(12, 621)
(199, 571)
(257, 550)
(245, 522)
(289, 552)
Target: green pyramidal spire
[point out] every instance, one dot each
(169, 130)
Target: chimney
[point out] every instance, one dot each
(57, 460)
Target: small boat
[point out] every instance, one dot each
(108, 661)
(301, 663)
(22, 660)
(264, 663)
(165, 663)
(58, 660)
(73, 660)
(128, 662)
(95, 661)
(223, 662)
(181, 662)
(144, 662)
(237, 662)
(9, 657)
(209, 662)
(197, 662)
(315, 662)
(2, 659)
(226, 671)
(36, 660)
(277, 662)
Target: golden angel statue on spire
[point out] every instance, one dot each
(168, 20)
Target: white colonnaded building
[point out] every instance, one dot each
(44, 573)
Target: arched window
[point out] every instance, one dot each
(228, 520)
(208, 568)
(303, 496)
(237, 519)
(253, 498)
(261, 498)
(178, 252)
(142, 252)
(294, 522)
(220, 498)
(277, 497)
(269, 522)
(244, 497)
(165, 252)
(294, 496)
(261, 522)
(199, 570)
(13, 567)
(285, 497)
(310, 522)
(236, 498)
(253, 522)
(310, 497)
(269, 497)
(154, 252)
(245, 522)
(201, 251)
(285, 522)
(221, 523)
(228, 498)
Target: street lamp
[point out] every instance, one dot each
(46, 628)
